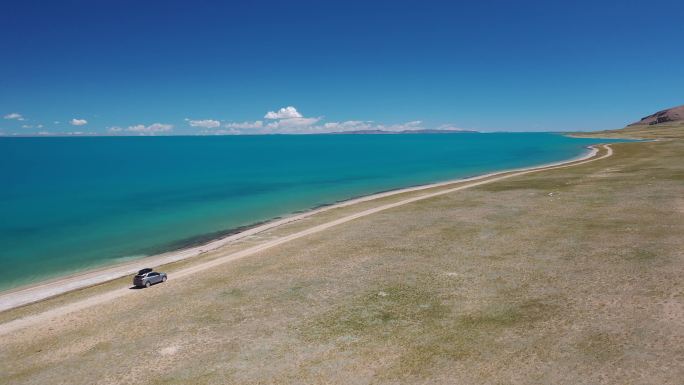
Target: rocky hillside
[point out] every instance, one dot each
(675, 114)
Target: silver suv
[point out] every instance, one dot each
(148, 277)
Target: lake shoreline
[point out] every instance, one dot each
(38, 291)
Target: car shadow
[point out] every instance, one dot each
(136, 287)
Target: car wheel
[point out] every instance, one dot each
(148, 284)
(163, 279)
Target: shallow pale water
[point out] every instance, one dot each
(68, 204)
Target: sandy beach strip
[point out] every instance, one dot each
(34, 293)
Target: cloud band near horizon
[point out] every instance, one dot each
(286, 120)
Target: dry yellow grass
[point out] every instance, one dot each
(564, 276)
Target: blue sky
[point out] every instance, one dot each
(134, 67)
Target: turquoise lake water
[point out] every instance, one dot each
(68, 204)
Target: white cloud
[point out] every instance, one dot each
(288, 112)
(349, 125)
(205, 123)
(361, 125)
(151, 129)
(43, 133)
(78, 122)
(287, 120)
(32, 126)
(245, 125)
(142, 129)
(14, 116)
(81, 133)
(292, 124)
(408, 126)
(450, 127)
(231, 131)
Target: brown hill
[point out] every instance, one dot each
(674, 114)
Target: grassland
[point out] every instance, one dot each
(564, 276)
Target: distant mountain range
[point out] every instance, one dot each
(674, 114)
(383, 132)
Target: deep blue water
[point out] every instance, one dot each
(68, 204)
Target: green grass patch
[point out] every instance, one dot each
(378, 313)
(599, 346)
(418, 323)
(642, 255)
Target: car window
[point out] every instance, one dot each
(154, 274)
